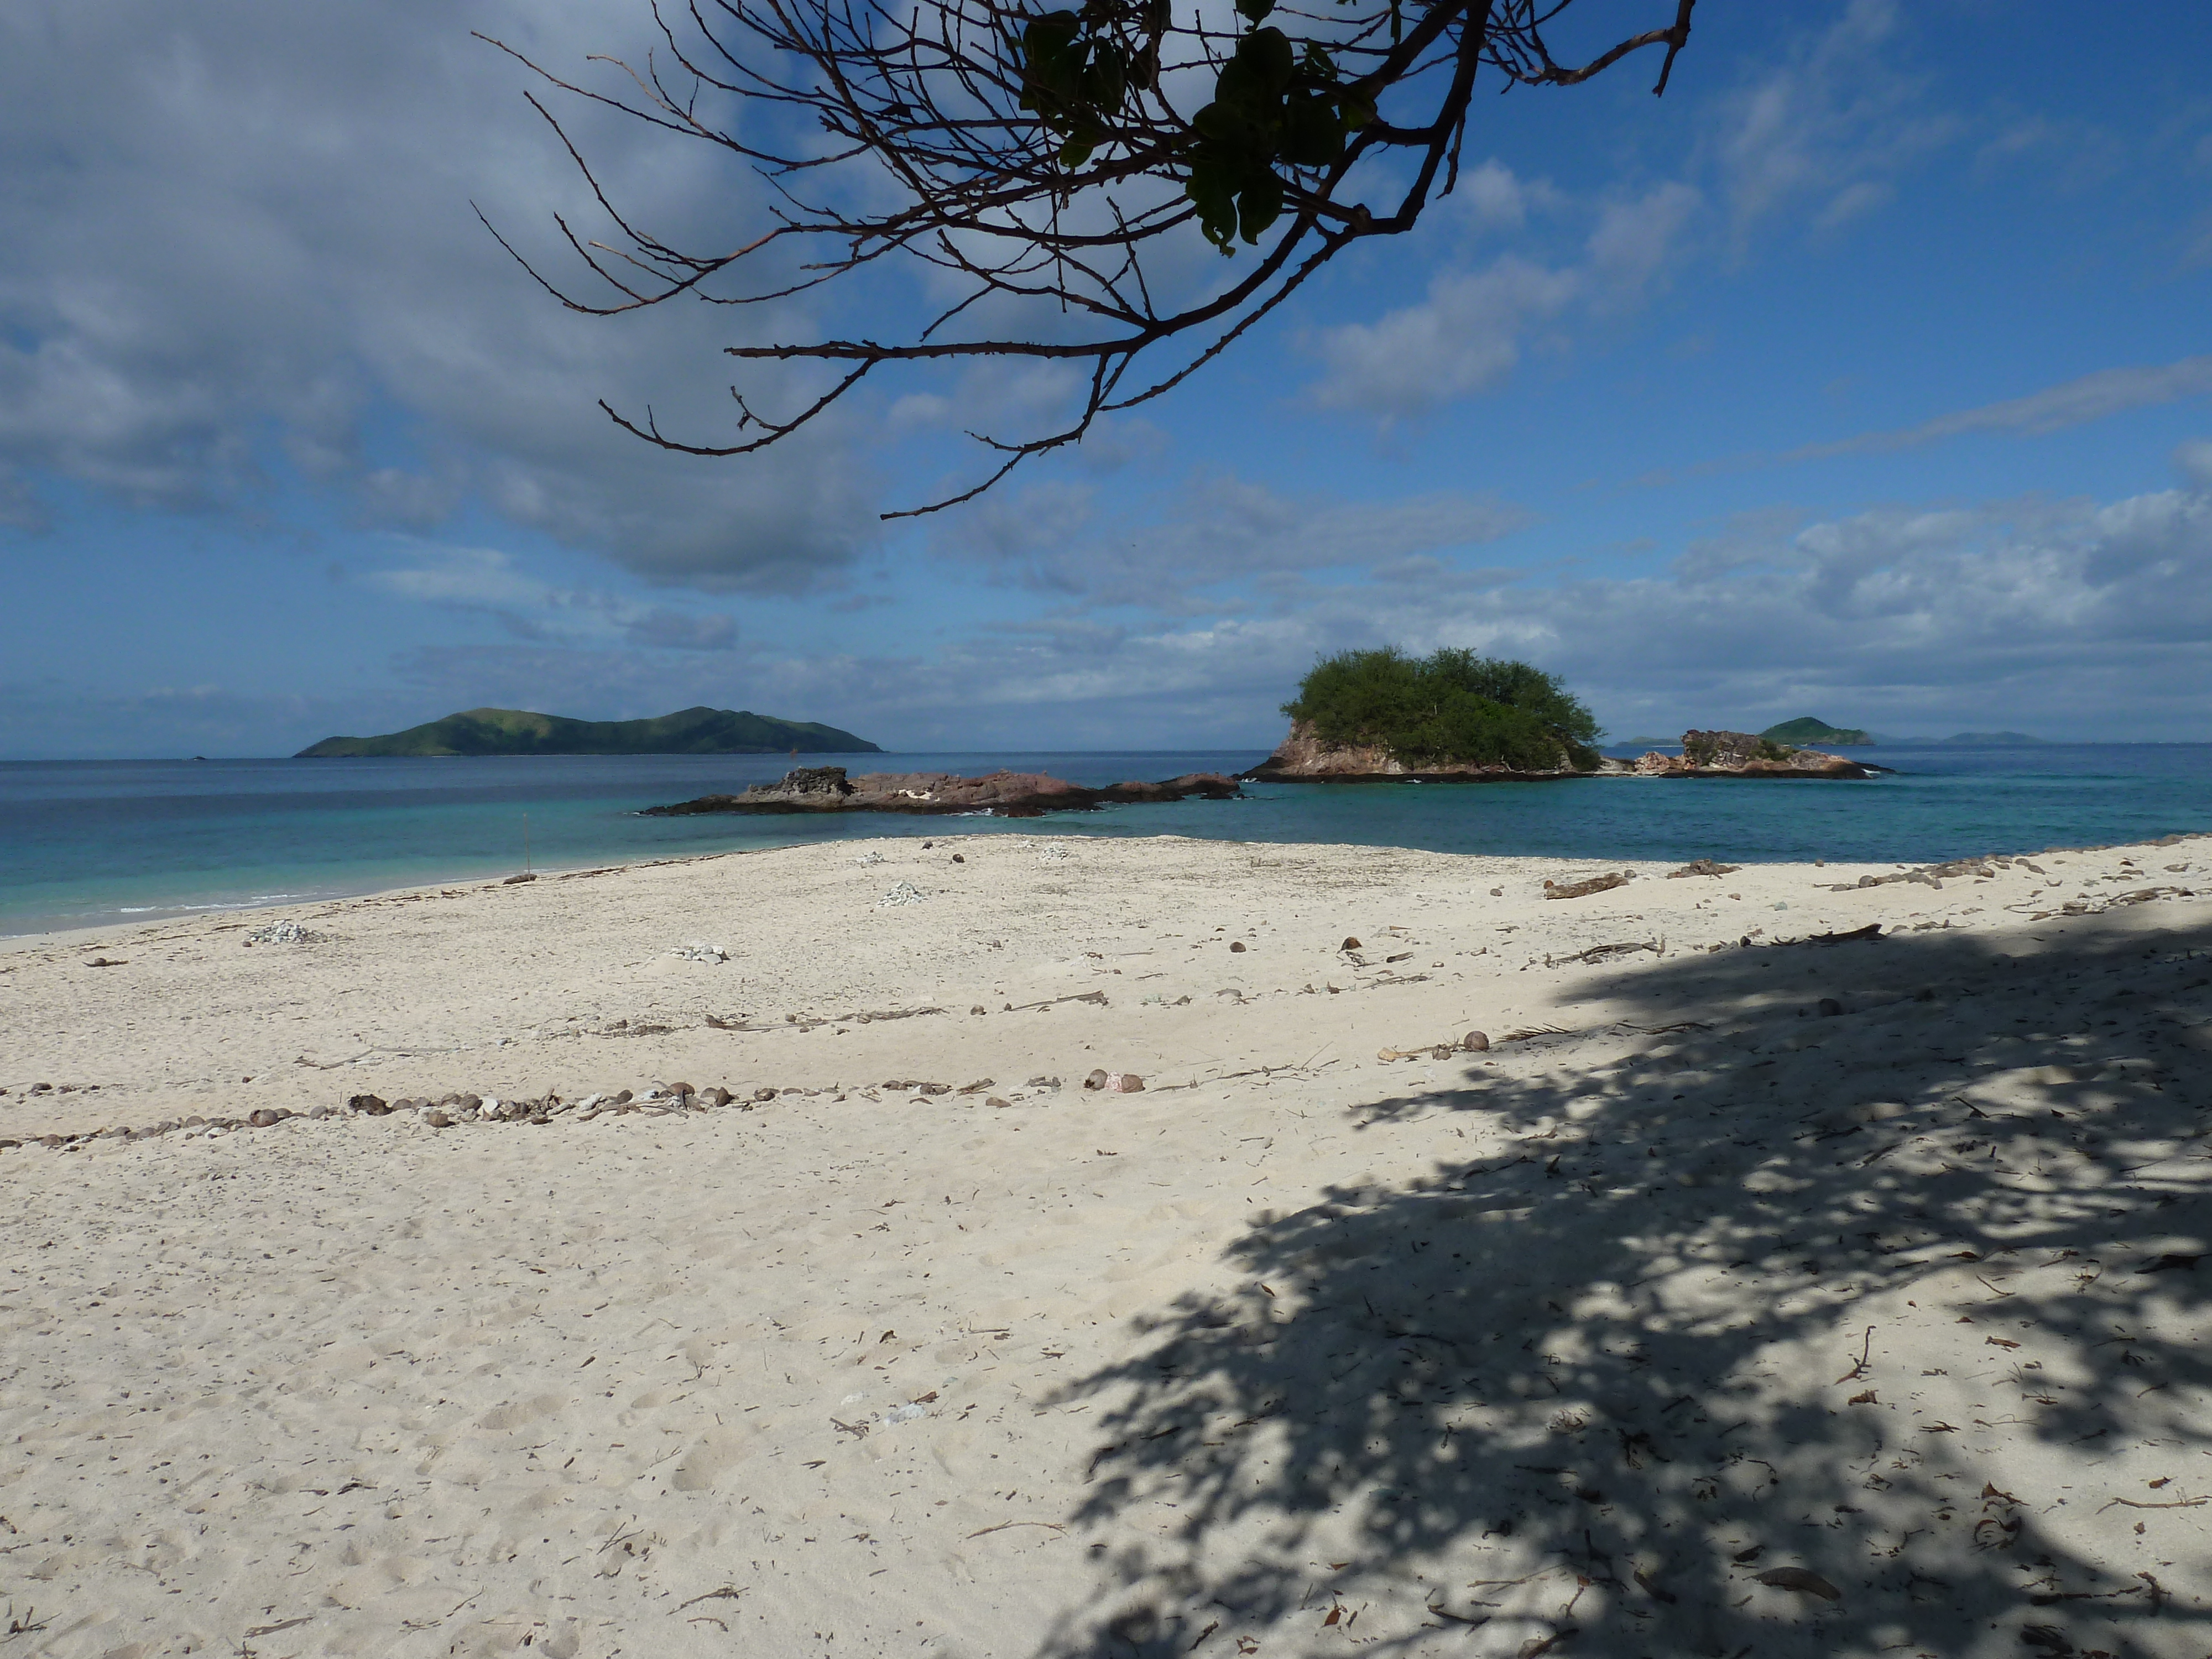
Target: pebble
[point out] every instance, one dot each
(1475, 1042)
(1350, 944)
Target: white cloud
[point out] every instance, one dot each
(1470, 330)
(237, 232)
(484, 578)
(1854, 201)
(1634, 239)
(1215, 529)
(472, 577)
(2073, 155)
(1828, 125)
(1491, 196)
(1464, 337)
(2071, 403)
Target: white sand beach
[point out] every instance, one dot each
(1750, 1295)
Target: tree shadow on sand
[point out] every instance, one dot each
(1644, 1380)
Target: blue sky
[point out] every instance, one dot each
(1867, 374)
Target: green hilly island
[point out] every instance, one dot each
(519, 732)
(1805, 729)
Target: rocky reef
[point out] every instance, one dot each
(1001, 794)
(1747, 755)
(1304, 757)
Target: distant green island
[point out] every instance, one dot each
(1806, 729)
(519, 732)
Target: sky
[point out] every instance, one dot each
(1866, 374)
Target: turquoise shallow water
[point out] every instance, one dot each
(88, 843)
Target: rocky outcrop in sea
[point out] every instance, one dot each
(1000, 795)
(1745, 754)
(1304, 757)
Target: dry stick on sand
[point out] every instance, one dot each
(1584, 889)
(1859, 1365)
(1602, 952)
(1053, 1525)
(1098, 997)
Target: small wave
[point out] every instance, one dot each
(258, 900)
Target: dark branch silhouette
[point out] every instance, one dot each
(1049, 166)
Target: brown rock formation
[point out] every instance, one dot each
(1302, 757)
(1003, 794)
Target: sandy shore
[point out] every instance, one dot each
(1777, 1298)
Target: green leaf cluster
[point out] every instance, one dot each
(1450, 707)
(1078, 67)
(1274, 105)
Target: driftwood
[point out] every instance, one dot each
(1872, 930)
(1582, 889)
(1098, 997)
(1605, 952)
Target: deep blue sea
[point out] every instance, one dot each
(88, 843)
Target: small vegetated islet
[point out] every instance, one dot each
(1450, 707)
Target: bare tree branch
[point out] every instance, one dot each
(1042, 159)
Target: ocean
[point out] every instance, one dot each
(84, 843)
